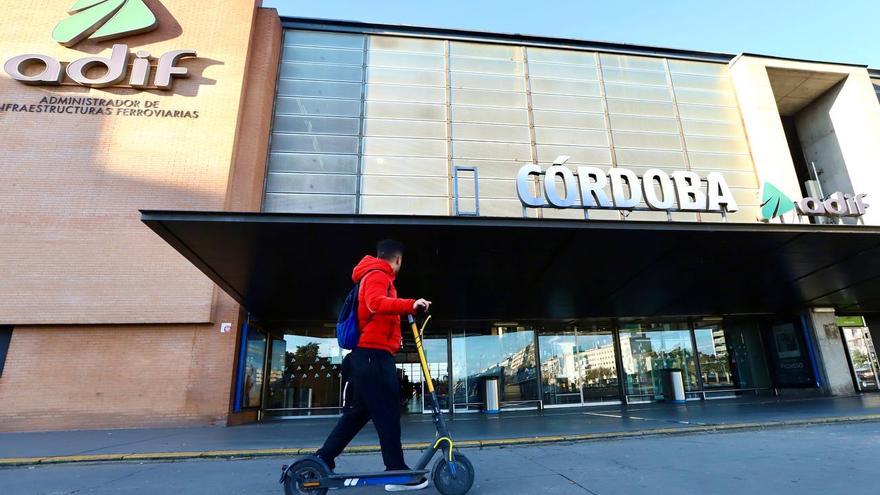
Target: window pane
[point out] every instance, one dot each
(485, 65)
(488, 98)
(325, 89)
(701, 82)
(392, 165)
(647, 108)
(308, 203)
(632, 123)
(484, 50)
(558, 71)
(462, 113)
(412, 77)
(597, 365)
(405, 60)
(315, 144)
(416, 94)
(714, 357)
(484, 132)
(568, 103)
(316, 125)
(614, 90)
(559, 356)
(389, 185)
(326, 72)
(478, 149)
(404, 128)
(648, 349)
(317, 38)
(328, 55)
(597, 156)
(404, 147)
(555, 86)
(705, 128)
(631, 62)
(645, 140)
(704, 97)
(404, 205)
(311, 183)
(306, 372)
(562, 56)
(706, 112)
(548, 118)
(296, 162)
(718, 161)
(400, 44)
(716, 145)
(650, 158)
(551, 135)
(634, 77)
(255, 353)
(317, 106)
(485, 81)
(421, 111)
(699, 68)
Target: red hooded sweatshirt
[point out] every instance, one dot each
(379, 309)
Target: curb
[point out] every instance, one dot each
(501, 442)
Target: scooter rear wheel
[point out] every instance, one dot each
(302, 471)
(442, 476)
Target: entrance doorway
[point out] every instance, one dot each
(413, 388)
(862, 358)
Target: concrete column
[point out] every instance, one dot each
(767, 142)
(830, 352)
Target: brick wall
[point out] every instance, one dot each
(113, 328)
(74, 250)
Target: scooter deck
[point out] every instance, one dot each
(382, 474)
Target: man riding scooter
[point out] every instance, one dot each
(371, 389)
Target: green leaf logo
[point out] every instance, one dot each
(104, 19)
(774, 202)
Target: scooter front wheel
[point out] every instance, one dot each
(302, 472)
(445, 483)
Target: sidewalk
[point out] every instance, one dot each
(474, 430)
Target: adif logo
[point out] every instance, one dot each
(103, 20)
(774, 203)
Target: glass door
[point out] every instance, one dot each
(559, 369)
(597, 366)
(862, 358)
(506, 353)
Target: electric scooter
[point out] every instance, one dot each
(452, 474)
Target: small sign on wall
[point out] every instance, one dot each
(225, 327)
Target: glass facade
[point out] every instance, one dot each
(535, 365)
(378, 124)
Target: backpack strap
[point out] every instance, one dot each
(360, 286)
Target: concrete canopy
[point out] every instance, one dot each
(295, 267)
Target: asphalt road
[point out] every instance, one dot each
(824, 460)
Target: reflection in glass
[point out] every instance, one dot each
(507, 353)
(255, 354)
(714, 357)
(597, 366)
(306, 370)
(559, 372)
(647, 349)
(863, 357)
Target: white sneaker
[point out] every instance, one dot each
(417, 485)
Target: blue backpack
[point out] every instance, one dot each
(347, 331)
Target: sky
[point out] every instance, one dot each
(834, 31)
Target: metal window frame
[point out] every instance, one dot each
(457, 211)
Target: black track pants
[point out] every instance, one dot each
(371, 391)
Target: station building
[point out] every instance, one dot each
(186, 191)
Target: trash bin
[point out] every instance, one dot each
(490, 394)
(673, 385)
